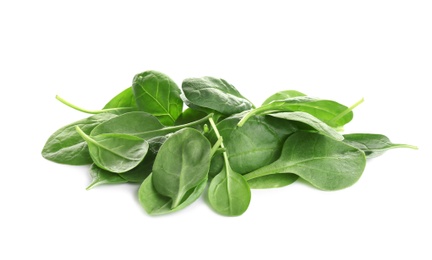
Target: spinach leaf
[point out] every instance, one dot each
(215, 94)
(229, 193)
(156, 204)
(125, 98)
(325, 163)
(115, 152)
(328, 111)
(100, 176)
(272, 181)
(67, 147)
(311, 121)
(281, 95)
(142, 124)
(255, 144)
(373, 145)
(182, 163)
(136, 175)
(132, 123)
(158, 95)
(190, 115)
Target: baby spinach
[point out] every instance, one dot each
(254, 145)
(311, 121)
(216, 94)
(221, 143)
(141, 124)
(125, 98)
(330, 112)
(158, 95)
(324, 162)
(100, 176)
(115, 152)
(282, 95)
(156, 204)
(67, 146)
(272, 181)
(182, 162)
(229, 193)
(373, 145)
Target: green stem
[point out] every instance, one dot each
(215, 147)
(67, 103)
(346, 111)
(264, 171)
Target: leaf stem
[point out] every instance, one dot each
(346, 111)
(67, 103)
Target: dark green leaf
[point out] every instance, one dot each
(100, 176)
(330, 112)
(158, 95)
(182, 162)
(325, 163)
(311, 121)
(229, 193)
(156, 204)
(281, 95)
(116, 153)
(215, 94)
(257, 143)
(67, 146)
(125, 98)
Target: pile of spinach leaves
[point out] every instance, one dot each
(222, 141)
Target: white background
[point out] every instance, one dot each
(88, 51)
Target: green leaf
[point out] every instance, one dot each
(115, 152)
(325, 163)
(182, 162)
(156, 204)
(215, 94)
(158, 95)
(125, 98)
(281, 95)
(328, 111)
(100, 176)
(373, 145)
(311, 121)
(272, 181)
(66, 146)
(229, 193)
(141, 124)
(258, 143)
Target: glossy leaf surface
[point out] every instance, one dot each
(311, 121)
(325, 163)
(182, 162)
(216, 94)
(67, 146)
(156, 204)
(158, 95)
(116, 153)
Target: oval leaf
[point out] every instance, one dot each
(325, 163)
(67, 146)
(182, 162)
(156, 204)
(158, 95)
(215, 94)
(116, 153)
(229, 193)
